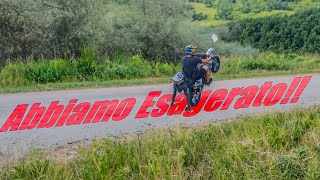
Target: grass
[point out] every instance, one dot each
(238, 15)
(232, 68)
(210, 12)
(264, 146)
(145, 81)
(304, 4)
(86, 84)
(264, 14)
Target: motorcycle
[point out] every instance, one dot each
(194, 92)
(196, 89)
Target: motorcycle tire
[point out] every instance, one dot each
(195, 100)
(216, 64)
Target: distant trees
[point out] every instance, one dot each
(224, 10)
(19, 35)
(299, 32)
(42, 28)
(37, 29)
(58, 28)
(256, 6)
(208, 3)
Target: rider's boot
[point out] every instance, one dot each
(209, 82)
(187, 108)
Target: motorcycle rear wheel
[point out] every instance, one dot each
(195, 99)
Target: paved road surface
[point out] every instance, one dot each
(17, 142)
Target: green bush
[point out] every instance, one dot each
(199, 17)
(87, 65)
(270, 62)
(89, 68)
(139, 67)
(235, 49)
(45, 71)
(132, 67)
(13, 75)
(165, 69)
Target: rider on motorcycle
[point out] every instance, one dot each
(190, 66)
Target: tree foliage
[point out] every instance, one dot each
(59, 29)
(224, 10)
(44, 28)
(299, 32)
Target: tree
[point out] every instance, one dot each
(298, 32)
(224, 10)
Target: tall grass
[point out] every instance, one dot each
(237, 13)
(264, 146)
(269, 62)
(86, 68)
(90, 68)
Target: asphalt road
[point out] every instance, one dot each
(13, 143)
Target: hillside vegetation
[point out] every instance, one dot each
(57, 41)
(155, 30)
(296, 33)
(34, 29)
(264, 146)
(211, 17)
(100, 40)
(89, 68)
(224, 11)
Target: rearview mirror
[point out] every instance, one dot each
(210, 50)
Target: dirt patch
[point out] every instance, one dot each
(63, 155)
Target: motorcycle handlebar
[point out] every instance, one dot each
(202, 55)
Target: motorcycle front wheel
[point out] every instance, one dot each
(216, 64)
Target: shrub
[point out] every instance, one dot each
(235, 49)
(87, 64)
(137, 67)
(165, 69)
(270, 62)
(224, 10)
(13, 75)
(45, 71)
(199, 17)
